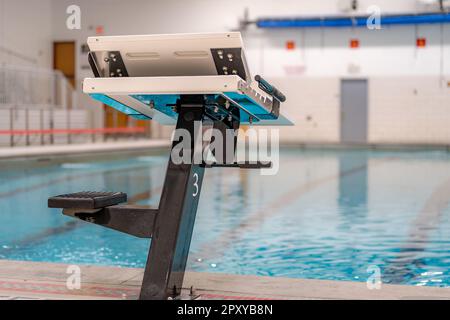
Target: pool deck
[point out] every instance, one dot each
(38, 280)
(100, 147)
(82, 149)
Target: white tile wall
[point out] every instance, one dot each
(410, 110)
(313, 105)
(402, 110)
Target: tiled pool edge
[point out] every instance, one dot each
(82, 149)
(139, 145)
(39, 280)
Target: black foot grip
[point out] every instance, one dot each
(87, 200)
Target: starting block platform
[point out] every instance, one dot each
(144, 76)
(176, 79)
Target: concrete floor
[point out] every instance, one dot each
(37, 280)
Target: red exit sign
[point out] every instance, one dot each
(421, 42)
(99, 30)
(290, 45)
(354, 43)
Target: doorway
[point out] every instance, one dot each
(64, 59)
(354, 111)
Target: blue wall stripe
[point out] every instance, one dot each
(352, 21)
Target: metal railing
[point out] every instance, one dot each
(30, 86)
(27, 127)
(39, 106)
(10, 56)
(38, 125)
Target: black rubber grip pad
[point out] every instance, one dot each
(87, 200)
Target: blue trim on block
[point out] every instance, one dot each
(163, 103)
(119, 106)
(251, 106)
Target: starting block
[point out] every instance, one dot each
(176, 79)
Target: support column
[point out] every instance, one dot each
(174, 223)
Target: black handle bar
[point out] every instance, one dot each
(270, 89)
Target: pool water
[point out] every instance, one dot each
(327, 214)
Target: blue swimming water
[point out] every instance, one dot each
(325, 215)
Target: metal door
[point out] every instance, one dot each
(354, 111)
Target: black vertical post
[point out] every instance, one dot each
(11, 127)
(229, 129)
(174, 223)
(27, 126)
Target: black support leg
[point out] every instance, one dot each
(173, 226)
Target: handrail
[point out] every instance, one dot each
(25, 85)
(16, 54)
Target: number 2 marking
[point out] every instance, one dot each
(195, 185)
